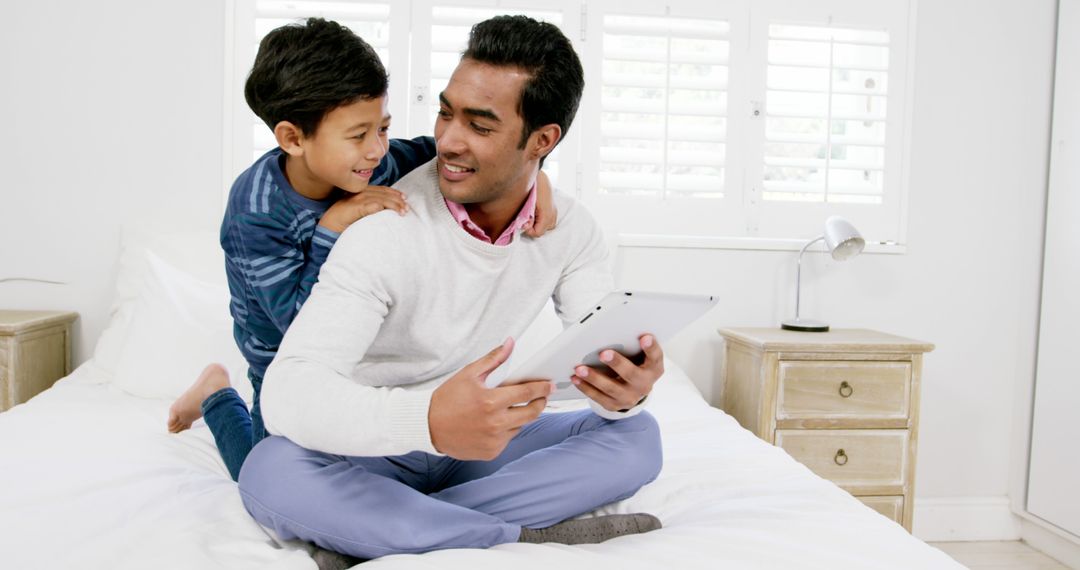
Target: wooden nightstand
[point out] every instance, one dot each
(35, 351)
(845, 403)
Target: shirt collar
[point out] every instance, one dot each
(524, 216)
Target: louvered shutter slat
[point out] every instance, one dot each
(825, 111)
(659, 72)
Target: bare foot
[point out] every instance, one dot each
(188, 407)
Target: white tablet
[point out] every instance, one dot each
(615, 322)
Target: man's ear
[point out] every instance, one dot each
(289, 138)
(543, 140)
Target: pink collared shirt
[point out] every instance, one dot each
(525, 215)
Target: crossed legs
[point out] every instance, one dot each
(557, 467)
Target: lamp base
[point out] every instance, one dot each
(804, 325)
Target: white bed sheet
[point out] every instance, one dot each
(89, 478)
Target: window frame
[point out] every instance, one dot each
(891, 216)
(677, 212)
(740, 219)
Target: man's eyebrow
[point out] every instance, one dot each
(485, 113)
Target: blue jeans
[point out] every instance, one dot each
(555, 468)
(236, 431)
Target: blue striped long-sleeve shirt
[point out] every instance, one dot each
(274, 246)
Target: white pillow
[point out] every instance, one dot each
(177, 325)
(196, 252)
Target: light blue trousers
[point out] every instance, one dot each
(557, 467)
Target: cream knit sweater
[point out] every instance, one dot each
(402, 304)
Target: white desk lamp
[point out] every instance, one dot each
(843, 242)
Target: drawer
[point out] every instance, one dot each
(891, 507)
(863, 462)
(844, 390)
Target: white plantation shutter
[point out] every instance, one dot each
(825, 114)
(832, 84)
(663, 105)
(656, 120)
(701, 120)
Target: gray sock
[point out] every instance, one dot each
(330, 560)
(592, 530)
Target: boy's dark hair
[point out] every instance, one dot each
(553, 92)
(305, 70)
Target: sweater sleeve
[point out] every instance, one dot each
(312, 393)
(278, 271)
(402, 157)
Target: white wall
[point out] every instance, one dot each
(122, 121)
(112, 113)
(969, 282)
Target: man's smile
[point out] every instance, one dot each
(455, 172)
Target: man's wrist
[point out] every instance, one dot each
(640, 402)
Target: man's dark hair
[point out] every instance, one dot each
(553, 92)
(305, 70)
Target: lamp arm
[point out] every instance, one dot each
(798, 272)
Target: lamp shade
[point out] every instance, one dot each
(842, 239)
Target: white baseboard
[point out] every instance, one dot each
(964, 519)
(1050, 540)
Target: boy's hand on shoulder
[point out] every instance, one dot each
(364, 203)
(546, 215)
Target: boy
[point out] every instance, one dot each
(322, 90)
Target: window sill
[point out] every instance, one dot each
(738, 243)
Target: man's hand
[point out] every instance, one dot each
(364, 203)
(469, 421)
(630, 382)
(546, 215)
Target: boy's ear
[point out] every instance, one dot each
(289, 137)
(543, 140)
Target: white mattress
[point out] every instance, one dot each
(89, 478)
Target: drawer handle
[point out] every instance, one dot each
(846, 390)
(840, 458)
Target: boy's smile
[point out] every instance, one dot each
(342, 152)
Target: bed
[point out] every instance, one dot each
(89, 477)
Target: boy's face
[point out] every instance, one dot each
(477, 134)
(347, 145)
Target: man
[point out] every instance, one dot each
(391, 442)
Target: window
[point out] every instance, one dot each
(828, 89)
(700, 120)
(825, 114)
(663, 101)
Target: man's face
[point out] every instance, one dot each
(348, 144)
(477, 134)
